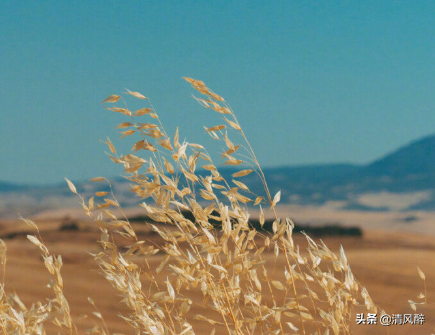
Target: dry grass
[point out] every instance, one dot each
(226, 263)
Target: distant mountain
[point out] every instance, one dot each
(9, 187)
(417, 159)
(403, 179)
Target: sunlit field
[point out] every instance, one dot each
(195, 264)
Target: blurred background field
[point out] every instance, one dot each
(383, 261)
(336, 98)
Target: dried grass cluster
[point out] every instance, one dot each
(315, 293)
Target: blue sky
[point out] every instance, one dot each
(311, 82)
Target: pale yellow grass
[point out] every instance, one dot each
(385, 263)
(211, 268)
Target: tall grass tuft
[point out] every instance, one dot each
(214, 251)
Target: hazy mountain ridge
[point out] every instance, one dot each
(414, 159)
(406, 176)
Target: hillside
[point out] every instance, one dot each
(401, 180)
(416, 159)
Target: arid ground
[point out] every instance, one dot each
(384, 260)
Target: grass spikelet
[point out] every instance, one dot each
(207, 244)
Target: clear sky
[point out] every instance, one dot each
(311, 82)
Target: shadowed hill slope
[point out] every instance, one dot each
(415, 159)
(409, 169)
